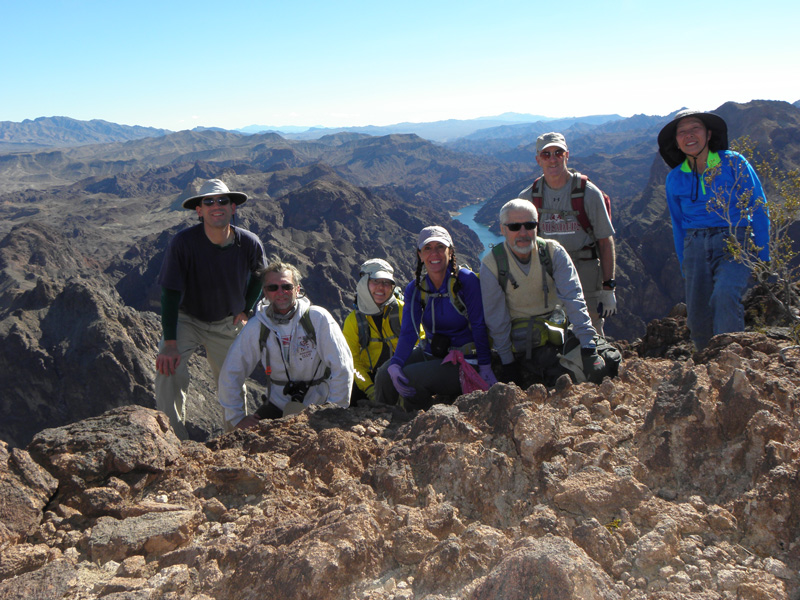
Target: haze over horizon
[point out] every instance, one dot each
(182, 65)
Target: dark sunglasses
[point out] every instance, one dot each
(273, 287)
(222, 201)
(528, 225)
(547, 154)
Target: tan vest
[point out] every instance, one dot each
(527, 300)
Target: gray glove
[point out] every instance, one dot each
(606, 303)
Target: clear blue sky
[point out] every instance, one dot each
(178, 64)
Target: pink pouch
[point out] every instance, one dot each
(469, 377)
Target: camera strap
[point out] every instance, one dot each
(305, 321)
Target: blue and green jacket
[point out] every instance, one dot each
(728, 176)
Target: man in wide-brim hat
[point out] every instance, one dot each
(208, 286)
(214, 188)
(712, 194)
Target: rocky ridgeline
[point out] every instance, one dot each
(676, 480)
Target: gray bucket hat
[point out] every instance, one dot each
(214, 187)
(668, 146)
(377, 268)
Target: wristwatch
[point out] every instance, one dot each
(612, 283)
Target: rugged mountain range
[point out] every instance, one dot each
(424, 169)
(63, 131)
(59, 132)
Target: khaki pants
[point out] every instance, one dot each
(591, 276)
(216, 337)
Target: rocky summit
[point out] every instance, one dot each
(676, 480)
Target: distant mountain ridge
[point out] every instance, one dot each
(65, 131)
(437, 131)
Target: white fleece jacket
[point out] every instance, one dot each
(305, 361)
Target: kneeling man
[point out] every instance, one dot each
(529, 285)
(303, 351)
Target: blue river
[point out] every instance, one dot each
(467, 216)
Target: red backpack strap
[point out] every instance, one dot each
(577, 196)
(537, 193)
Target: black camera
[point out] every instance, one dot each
(296, 390)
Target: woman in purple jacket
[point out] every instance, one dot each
(447, 302)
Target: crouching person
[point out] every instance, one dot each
(301, 347)
(530, 288)
(372, 329)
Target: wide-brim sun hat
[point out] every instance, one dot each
(668, 145)
(214, 187)
(434, 233)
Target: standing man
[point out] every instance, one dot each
(208, 287)
(573, 211)
(303, 351)
(712, 194)
(528, 286)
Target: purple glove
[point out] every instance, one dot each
(486, 372)
(400, 381)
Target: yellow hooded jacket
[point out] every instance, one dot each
(365, 359)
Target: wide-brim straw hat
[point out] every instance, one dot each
(214, 187)
(668, 146)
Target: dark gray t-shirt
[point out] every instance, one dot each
(212, 279)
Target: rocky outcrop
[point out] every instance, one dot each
(675, 480)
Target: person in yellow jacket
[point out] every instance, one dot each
(372, 329)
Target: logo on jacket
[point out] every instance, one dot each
(305, 347)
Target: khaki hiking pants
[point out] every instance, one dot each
(216, 337)
(591, 276)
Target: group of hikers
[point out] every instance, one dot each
(535, 312)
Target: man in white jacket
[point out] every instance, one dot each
(300, 346)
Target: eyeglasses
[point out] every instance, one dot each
(547, 154)
(697, 130)
(222, 201)
(274, 287)
(381, 282)
(528, 225)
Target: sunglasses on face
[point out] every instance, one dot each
(222, 201)
(528, 225)
(274, 287)
(547, 154)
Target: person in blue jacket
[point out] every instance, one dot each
(712, 193)
(447, 302)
